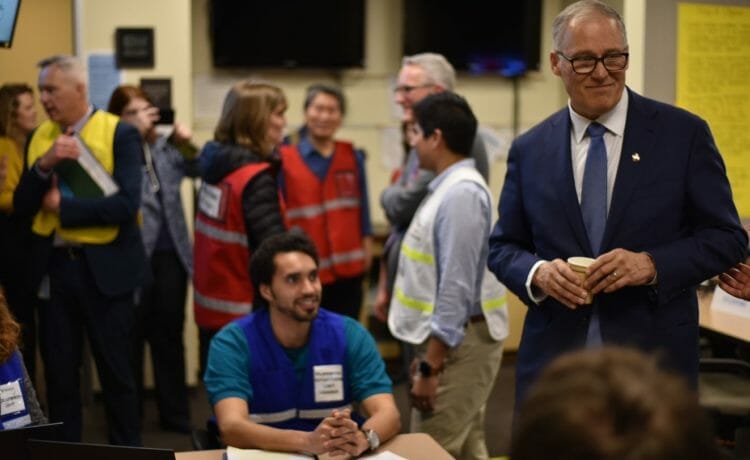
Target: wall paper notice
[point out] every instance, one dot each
(713, 65)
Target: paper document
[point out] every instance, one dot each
(95, 170)
(234, 453)
(722, 300)
(387, 455)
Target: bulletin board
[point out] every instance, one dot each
(713, 81)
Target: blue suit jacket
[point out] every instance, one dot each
(674, 202)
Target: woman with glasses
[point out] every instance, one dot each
(160, 310)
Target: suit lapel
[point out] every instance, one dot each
(637, 152)
(558, 147)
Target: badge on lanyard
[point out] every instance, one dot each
(329, 383)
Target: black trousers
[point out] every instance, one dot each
(344, 296)
(76, 307)
(160, 320)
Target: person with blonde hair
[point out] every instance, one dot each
(18, 118)
(20, 406)
(238, 204)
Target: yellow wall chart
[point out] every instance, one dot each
(713, 81)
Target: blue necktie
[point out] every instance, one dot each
(594, 209)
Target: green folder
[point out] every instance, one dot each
(78, 180)
(85, 177)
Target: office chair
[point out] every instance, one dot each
(724, 391)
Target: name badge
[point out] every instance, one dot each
(329, 382)
(211, 201)
(11, 398)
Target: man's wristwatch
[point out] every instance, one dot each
(372, 438)
(426, 369)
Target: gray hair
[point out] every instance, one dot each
(70, 65)
(437, 69)
(318, 88)
(584, 9)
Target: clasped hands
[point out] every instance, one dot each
(338, 435)
(611, 271)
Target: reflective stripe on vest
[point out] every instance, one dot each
(341, 258)
(226, 306)
(316, 210)
(327, 210)
(225, 236)
(415, 288)
(98, 134)
(283, 416)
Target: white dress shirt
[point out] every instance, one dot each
(614, 121)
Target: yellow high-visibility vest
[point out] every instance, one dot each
(98, 134)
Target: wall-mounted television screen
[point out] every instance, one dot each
(476, 35)
(287, 33)
(8, 17)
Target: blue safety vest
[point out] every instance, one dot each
(280, 398)
(13, 397)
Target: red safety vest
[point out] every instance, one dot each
(328, 211)
(223, 291)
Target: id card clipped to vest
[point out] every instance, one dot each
(212, 201)
(329, 383)
(12, 402)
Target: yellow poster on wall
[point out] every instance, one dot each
(713, 81)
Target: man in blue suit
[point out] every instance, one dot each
(667, 217)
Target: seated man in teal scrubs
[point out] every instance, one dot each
(283, 378)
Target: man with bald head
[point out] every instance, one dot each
(633, 183)
(89, 245)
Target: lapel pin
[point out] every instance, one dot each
(636, 158)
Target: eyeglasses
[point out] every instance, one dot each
(584, 65)
(406, 89)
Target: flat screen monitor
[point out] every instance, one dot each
(313, 34)
(13, 442)
(56, 450)
(478, 36)
(8, 17)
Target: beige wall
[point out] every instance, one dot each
(44, 28)
(96, 21)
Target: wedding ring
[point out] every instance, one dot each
(614, 275)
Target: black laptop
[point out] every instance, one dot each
(55, 450)
(13, 442)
